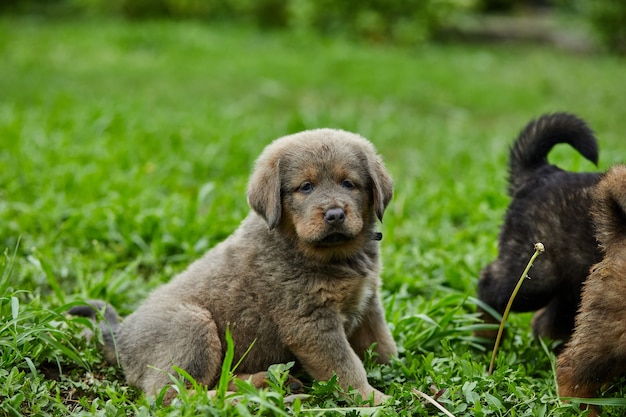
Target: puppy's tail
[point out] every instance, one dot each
(109, 322)
(530, 150)
(609, 208)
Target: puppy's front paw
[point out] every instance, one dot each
(379, 397)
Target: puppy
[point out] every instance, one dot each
(596, 352)
(297, 281)
(550, 206)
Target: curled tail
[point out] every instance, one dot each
(530, 150)
(108, 320)
(609, 208)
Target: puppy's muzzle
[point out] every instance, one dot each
(335, 216)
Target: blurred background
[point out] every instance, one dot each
(128, 129)
(578, 24)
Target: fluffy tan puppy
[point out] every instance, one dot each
(596, 353)
(299, 278)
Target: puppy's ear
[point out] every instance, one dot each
(382, 186)
(264, 191)
(609, 208)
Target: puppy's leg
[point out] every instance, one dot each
(581, 370)
(374, 329)
(556, 320)
(322, 348)
(583, 366)
(158, 337)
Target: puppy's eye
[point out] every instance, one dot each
(306, 188)
(347, 184)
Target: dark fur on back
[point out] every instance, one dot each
(551, 206)
(596, 352)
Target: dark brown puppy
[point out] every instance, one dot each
(596, 352)
(550, 206)
(298, 280)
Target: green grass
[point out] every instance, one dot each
(124, 155)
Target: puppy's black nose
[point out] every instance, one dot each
(335, 216)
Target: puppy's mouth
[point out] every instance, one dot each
(334, 239)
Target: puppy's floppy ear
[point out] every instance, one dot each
(609, 208)
(264, 191)
(382, 186)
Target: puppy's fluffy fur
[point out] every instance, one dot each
(299, 278)
(596, 352)
(550, 206)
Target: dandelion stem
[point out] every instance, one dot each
(538, 250)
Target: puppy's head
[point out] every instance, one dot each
(323, 187)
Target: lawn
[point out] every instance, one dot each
(125, 151)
